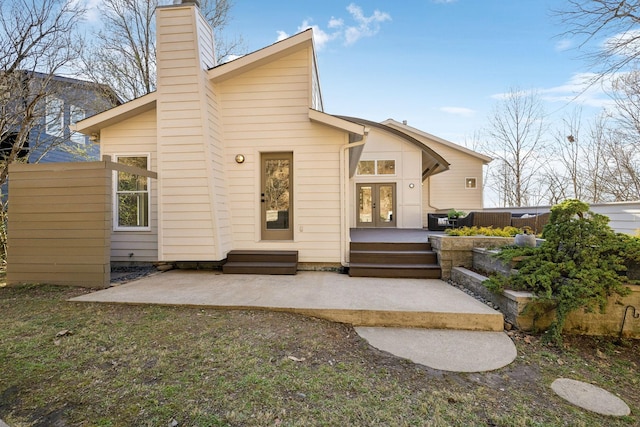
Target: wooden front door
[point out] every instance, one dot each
(376, 205)
(276, 198)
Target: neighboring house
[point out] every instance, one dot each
(246, 158)
(67, 101)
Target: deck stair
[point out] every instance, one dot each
(393, 259)
(261, 262)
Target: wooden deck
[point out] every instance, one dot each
(390, 235)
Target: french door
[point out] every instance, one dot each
(276, 198)
(376, 205)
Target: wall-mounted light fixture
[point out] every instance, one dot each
(239, 158)
(412, 185)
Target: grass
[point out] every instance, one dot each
(80, 364)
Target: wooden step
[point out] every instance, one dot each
(261, 262)
(395, 257)
(390, 246)
(424, 271)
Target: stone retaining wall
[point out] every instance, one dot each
(457, 251)
(513, 304)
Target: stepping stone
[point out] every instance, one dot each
(446, 350)
(590, 397)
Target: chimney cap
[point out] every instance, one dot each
(193, 2)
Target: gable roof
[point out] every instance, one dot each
(220, 72)
(115, 115)
(262, 56)
(406, 128)
(432, 162)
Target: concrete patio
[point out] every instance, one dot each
(416, 303)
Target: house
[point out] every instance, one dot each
(61, 102)
(247, 158)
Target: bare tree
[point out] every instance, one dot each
(563, 172)
(36, 41)
(608, 30)
(594, 160)
(124, 50)
(516, 141)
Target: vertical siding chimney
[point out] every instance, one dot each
(184, 116)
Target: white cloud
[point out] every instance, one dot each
(359, 26)
(564, 44)
(335, 22)
(92, 14)
(367, 25)
(459, 111)
(320, 37)
(281, 35)
(624, 44)
(581, 88)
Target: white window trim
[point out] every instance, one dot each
(74, 117)
(116, 219)
(54, 115)
(375, 167)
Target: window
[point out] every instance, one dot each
(54, 117)
(386, 167)
(470, 183)
(77, 114)
(132, 195)
(366, 167)
(376, 167)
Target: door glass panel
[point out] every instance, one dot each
(276, 193)
(385, 198)
(365, 211)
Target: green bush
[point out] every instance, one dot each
(483, 231)
(581, 262)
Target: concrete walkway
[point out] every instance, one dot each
(385, 304)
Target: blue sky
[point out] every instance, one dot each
(439, 64)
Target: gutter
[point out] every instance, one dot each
(345, 212)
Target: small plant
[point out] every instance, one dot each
(581, 262)
(454, 214)
(483, 231)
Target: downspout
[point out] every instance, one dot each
(344, 205)
(429, 196)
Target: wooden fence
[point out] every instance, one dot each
(59, 229)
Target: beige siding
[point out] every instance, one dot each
(193, 218)
(383, 145)
(136, 136)
(60, 219)
(448, 188)
(267, 110)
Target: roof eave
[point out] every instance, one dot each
(336, 122)
(395, 124)
(115, 115)
(262, 56)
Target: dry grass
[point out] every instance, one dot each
(72, 364)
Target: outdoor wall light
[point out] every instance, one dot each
(412, 185)
(239, 158)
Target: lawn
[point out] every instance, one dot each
(81, 364)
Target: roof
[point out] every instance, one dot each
(432, 162)
(221, 72)
(406, 128)
(260, 57)
(115, 115)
